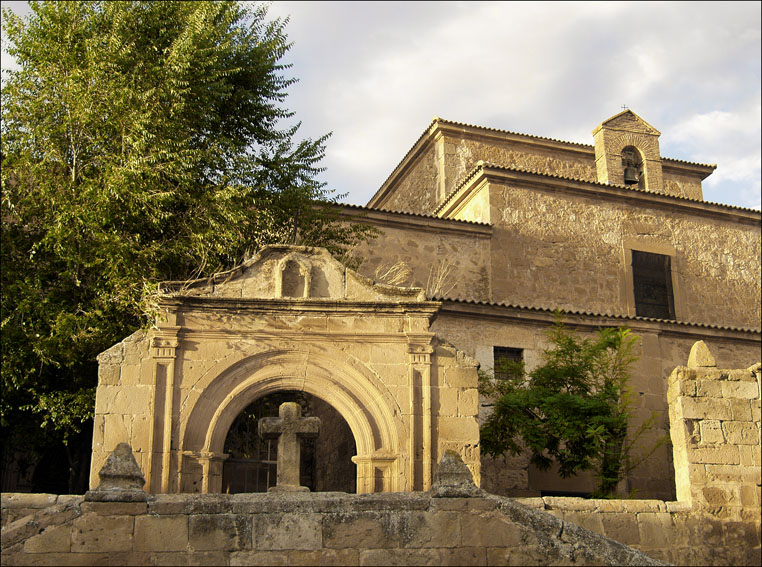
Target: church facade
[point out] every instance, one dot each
(500, 230)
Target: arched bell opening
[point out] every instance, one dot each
(325, 463)
(633, 170)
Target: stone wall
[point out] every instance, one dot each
(303, 529)
(668, 531)
(662, 347)
(416, 191)
(715, 427)
(554, 248)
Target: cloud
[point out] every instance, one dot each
(375, 73)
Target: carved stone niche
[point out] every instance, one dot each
(293, 277)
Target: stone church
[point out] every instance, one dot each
(492, 231)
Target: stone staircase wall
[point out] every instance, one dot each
(303, 529)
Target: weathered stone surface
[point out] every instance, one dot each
(287, 531)
(95, 533)
(700, 356)
(161, 533)
(121, 478)
(453, 479)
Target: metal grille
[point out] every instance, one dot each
(652, 283)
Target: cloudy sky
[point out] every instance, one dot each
(375, 74)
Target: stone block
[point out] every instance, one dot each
(621, 527)
(751, 497)
(96, 533)
(729, 474)
(365, 530)
(740, 410)
(502, 532)
(52, 539)
(709, 388)
(756, 410)
(115, 508)
(655, 530)
(448, 402)
(463, 556)
(711, 431)
(722, 455)
(116, 430)
(456, 377)
(274, 558)
(705, 408)
(460, 428)
(433, 529)
(228, 532)
(750, 455)
(108, 374)
(744, 390)
(589, 520)
(741, 433)
(170, 558)
(716, 497)
(324, 557)
(287, 531)
(161, 533)
(394, 557)
(468, 402)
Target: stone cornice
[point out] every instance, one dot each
(299, 307)
(556, 184)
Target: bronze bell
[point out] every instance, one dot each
(630, 175)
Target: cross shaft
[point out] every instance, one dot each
(289, 428)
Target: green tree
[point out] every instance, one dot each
(573, 409)
(141, 141)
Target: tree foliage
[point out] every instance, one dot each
(141, 141)
(573, 409)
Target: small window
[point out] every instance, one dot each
(506, 354)
(652, 283)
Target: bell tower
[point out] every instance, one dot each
(627, 152)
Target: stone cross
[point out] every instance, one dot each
(288, 429)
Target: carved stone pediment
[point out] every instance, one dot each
(292, 273)
(628, 121)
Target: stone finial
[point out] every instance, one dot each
(121, 478)
(453, 479)
(700, 356)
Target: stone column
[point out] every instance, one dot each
(419, 351)
(164, 348)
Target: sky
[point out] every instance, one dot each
(375, 74)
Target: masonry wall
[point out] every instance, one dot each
(416, 191)
(662, 347)
(303, 529)
(715, 419)
(459, 253)
(559, 249)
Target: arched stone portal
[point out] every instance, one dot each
(366, 349)
(360, 398)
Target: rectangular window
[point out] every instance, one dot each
(652, 283)
(506, 353)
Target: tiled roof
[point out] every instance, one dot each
(594, 314)
(541, 138)
(482, 164)
(420, 215)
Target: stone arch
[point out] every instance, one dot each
(647, 147)
(363, 402)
